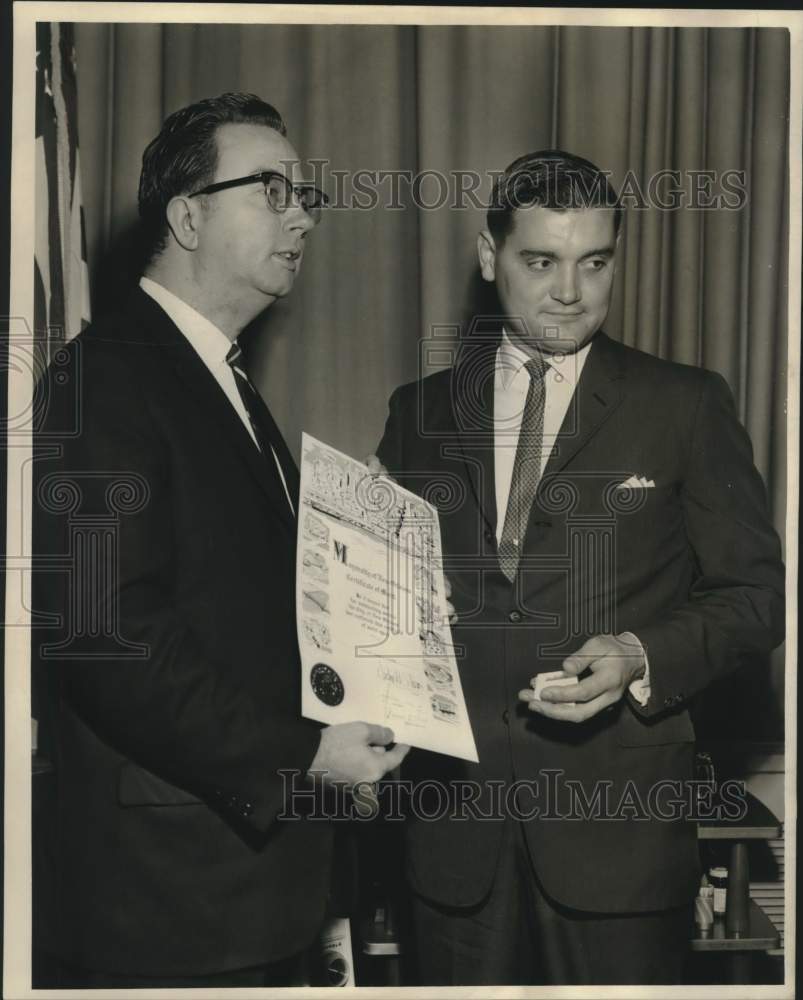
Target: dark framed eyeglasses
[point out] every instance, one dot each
(279, 192)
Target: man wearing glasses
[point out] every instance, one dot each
(169, 686)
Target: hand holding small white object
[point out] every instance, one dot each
(614, 662)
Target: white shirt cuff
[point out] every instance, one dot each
(640, 688)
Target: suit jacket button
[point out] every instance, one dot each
(489, 536)
(515, 617)
(505, 717)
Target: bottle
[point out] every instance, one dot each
(719, 880)
(704, 908)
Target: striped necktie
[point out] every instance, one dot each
(526, 470)
(253, 403)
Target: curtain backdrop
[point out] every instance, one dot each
(702, 287)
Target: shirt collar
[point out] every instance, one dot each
(510, 359)
(209, 341)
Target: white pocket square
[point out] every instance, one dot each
(636, 483)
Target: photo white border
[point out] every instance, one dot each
(17, 845)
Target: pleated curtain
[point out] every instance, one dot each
(380, 285)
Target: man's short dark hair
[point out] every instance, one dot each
(183, 157)
(552, 179)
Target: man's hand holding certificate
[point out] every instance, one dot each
(372, 607)
(342, 755)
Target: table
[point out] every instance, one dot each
(746, 928)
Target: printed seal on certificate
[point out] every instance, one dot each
(326, 684)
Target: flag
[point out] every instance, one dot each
(61, 275)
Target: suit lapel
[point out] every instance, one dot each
(156, 328)
(214, 403)
(598, 394)
(472, 399)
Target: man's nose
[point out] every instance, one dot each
(296, 217)
(566, 288)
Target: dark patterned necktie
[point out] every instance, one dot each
(253, 405)
(526, 470)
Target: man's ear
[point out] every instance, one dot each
(183, 215)
(486, 251)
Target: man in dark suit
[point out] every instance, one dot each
(164, 542)
(612, 527)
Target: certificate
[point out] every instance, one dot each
(372, 627)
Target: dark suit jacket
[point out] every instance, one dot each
(691, 566)
(168, 674)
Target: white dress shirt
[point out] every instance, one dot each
(511, 385)
(212, 346)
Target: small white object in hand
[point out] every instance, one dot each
(555, 678)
